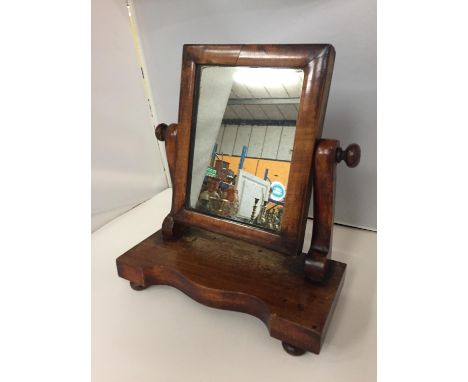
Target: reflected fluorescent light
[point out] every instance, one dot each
(267, 76)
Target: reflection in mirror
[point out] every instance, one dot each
(244, 137)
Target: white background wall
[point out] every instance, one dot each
(126, 163)
(350, 25)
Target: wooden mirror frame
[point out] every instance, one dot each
(316, 60)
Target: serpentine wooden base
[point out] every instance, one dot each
(230, 274)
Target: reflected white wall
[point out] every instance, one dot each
(215, 87)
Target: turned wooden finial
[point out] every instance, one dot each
(351, 156)
(160, 132)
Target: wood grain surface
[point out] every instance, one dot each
(230, 274)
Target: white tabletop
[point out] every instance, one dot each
(160, 334)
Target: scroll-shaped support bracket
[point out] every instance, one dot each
(171, 230)
(327, 155)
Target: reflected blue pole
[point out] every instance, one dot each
(213, 154)
(243, 155)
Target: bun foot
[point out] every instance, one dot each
(293, 350)
(136, 286)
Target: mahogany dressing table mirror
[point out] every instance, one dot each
(244, 158)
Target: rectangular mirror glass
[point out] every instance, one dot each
(244, 125)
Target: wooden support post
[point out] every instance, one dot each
(171, 230)
(327, 154)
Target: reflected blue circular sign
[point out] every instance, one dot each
(278, 191)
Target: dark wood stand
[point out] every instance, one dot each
(230, 274)
(293, 295)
